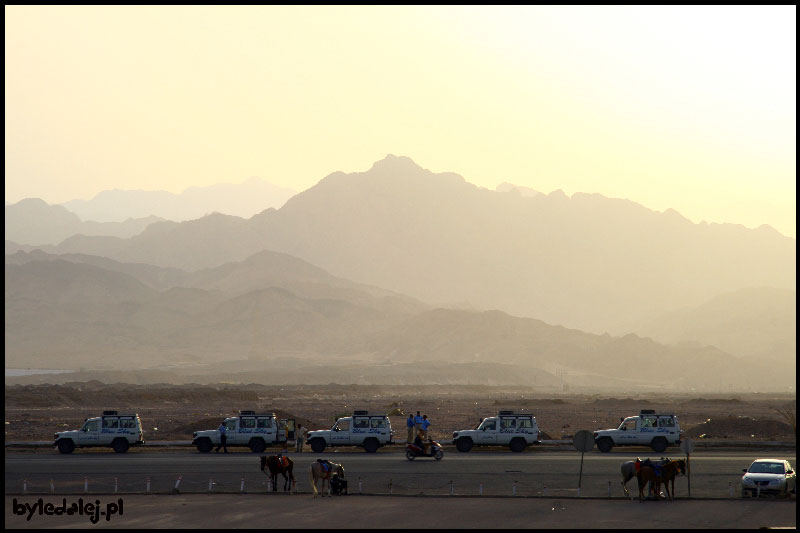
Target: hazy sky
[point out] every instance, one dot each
(685, 107)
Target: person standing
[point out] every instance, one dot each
(410, 425)
(424, 426)
(222, 438)
(299, 438)
(418, 422)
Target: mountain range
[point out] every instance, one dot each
(395, 269)
(34, 222)
(68, 312)
(584, 261)
(240, 199)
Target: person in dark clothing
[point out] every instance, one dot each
(222, 438)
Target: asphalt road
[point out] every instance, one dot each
(228, 511)
(713, 474)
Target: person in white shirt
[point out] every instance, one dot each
(300, 437)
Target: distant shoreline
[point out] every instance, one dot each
(14, 372)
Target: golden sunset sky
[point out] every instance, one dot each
(691, 108)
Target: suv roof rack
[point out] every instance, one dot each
(647, 412)
(510, 412)
(109, 413)
(364, 412)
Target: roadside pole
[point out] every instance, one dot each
(687, 446)
(583, 442)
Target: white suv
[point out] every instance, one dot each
(249, 429)
(648, 429)
(515, 430)
(371, 431)
(115, 430)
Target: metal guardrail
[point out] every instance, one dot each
(549, 443)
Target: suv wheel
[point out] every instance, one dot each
(66, 446)
(120, 445)
(204, 445)
(257, 445)
(605, 444)
(371, 445)
(659, 444)
(464, 444)
(517, 444)
(318, 445)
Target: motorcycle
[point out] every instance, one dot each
(413, 451)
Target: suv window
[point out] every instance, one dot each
(360, 422)
(648, 421)
(378, 422)
(92, 425)
(628, 425)
(666, 422)
(127, 423)
(525, 423)
(110, 423)
(230, 425)
(264, 422)
(247, 423)
(342, 425)
(506, 423)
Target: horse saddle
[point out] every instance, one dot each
(326, 466)
(284, 461)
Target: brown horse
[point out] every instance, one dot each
(276, 466)
(668, 472)
(317, 472)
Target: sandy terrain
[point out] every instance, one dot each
(170, 412)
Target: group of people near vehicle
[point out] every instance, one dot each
(418, 431)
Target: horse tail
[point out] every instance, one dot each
(263, 463)
(313, 480)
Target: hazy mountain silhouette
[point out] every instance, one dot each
(517, 189)
(757, 323)
(67, 314)
(241, 199)
(584, 261)
(32, 221)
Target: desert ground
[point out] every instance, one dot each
(173, 412)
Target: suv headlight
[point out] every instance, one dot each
(775, 481)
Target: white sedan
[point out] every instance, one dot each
(768, 476)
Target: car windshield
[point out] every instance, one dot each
(489, 425)
(766, 468)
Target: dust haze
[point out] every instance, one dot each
(398, 275)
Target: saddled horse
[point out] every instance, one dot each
(668, 472)
(628, 470)
(318, 472)
(278, 465)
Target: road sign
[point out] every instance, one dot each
(687, 446)
(583, 441)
